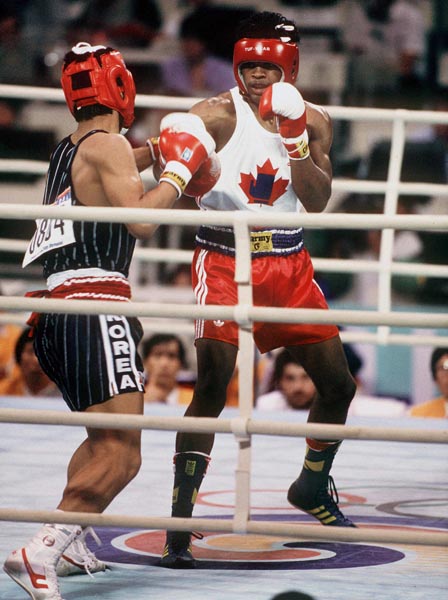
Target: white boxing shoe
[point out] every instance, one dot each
(77, 559)
(33, 567)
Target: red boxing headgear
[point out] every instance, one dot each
(284, 55)
(98, 75)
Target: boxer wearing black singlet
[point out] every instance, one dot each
(93, 358)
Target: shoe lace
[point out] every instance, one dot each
(85, 557)
(330, 497)
(332, 490)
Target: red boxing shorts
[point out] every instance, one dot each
(280, 281)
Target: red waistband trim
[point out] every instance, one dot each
(109, 289)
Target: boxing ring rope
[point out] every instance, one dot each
(289, 530)
(329, 265)
(348, 113)
(244, 313)
(240, 427)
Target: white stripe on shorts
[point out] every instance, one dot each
(201, 289)
(132, 353)
(113, 387)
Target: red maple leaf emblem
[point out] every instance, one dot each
(264, 188)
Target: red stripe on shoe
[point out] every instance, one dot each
(35, 577)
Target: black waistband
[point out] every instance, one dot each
(264, 242)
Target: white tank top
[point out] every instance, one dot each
(255, 171)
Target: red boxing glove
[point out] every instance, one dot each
(184, 146)
(284, 101)
(205, 177)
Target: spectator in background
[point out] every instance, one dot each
(8, 338)
(290, 386)
(217, 22)
(16, 65)
(9, 335)
(180, 276)
(435, 132)
(8, 113)
(132, 23)
(163, 360)
(386, 43)
(195, 72)
(28, 378)
(424, 160)
(438, 407)
(172, 24)
(18, 140)
(433, 140)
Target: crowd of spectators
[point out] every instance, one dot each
(280, 382)
(385, 40)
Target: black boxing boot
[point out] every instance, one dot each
(314, 491)
(189, 471)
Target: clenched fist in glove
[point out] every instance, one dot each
(205, 177)
(184, 145)
(284, 101)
